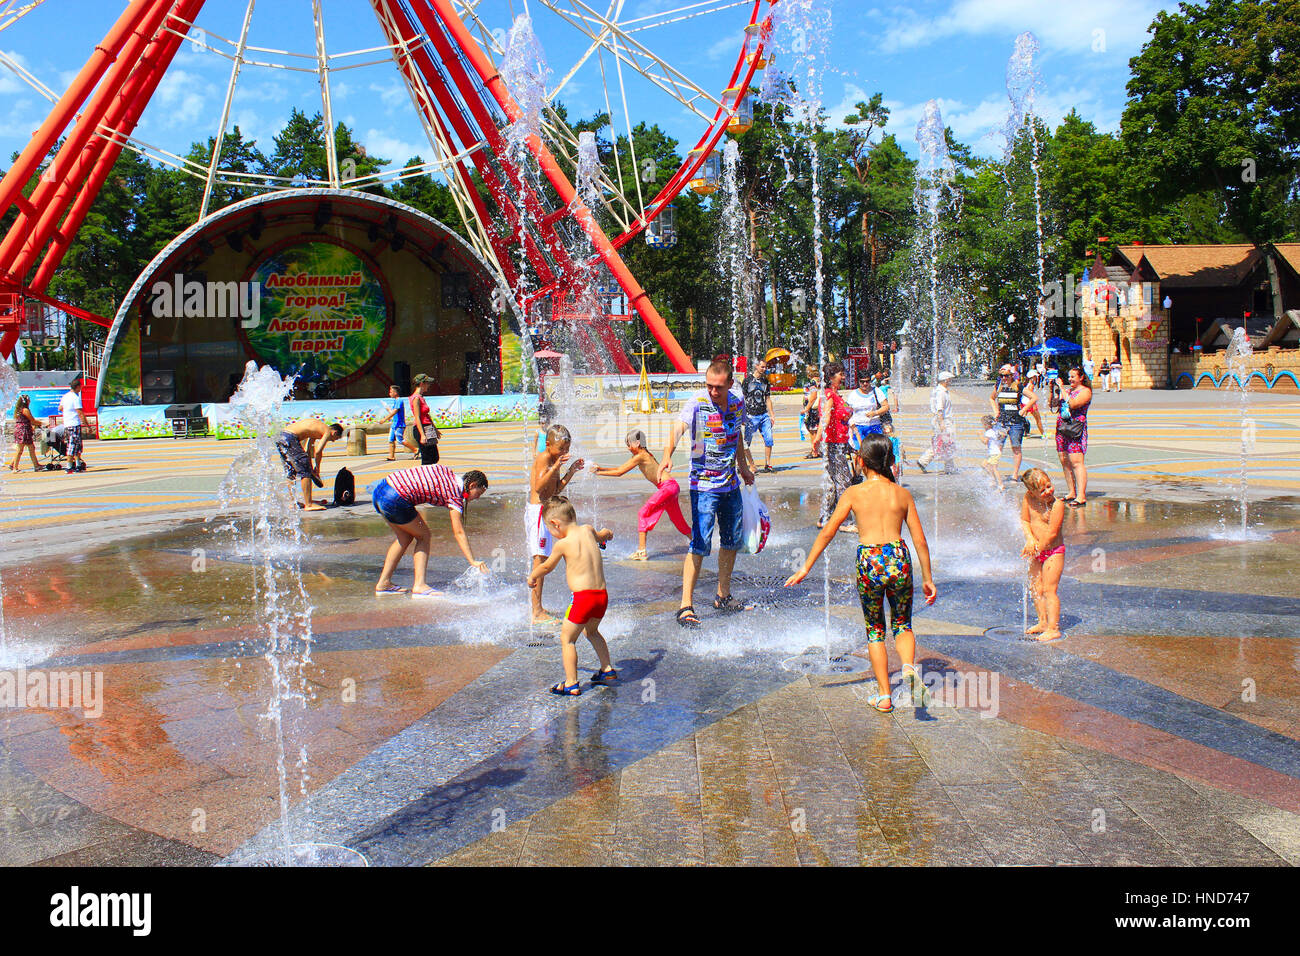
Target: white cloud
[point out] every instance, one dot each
(1058, 26)
(379, 143)
(393, 94)
(11, 82)
(981, 125)
(728, 48)
(184, 96)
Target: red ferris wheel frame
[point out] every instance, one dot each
(453, 83)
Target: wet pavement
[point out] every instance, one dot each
(1162, 730)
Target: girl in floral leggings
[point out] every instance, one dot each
(884, 564)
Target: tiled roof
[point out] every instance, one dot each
(1290, 252)
(1197, 266)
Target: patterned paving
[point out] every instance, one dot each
(1162, 730)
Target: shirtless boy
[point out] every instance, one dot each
(584, 568)
(301, 447)
(663, 501)
(546, 482)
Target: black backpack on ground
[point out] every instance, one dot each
(345, 487)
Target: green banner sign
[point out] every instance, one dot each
(321, 306)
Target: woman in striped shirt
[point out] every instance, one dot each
(395, 499)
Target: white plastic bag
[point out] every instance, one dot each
(755, 521)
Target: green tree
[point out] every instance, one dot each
(1214, 112)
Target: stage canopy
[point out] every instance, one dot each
(350, 291)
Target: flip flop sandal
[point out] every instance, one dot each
(426, 594)
(391, 589)
(547, 622)
(686, 617)
(567, 690)
(639, 555)
(920, 693)
(605, 678)
(877, 701)
(729, 605)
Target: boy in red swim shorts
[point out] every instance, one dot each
(584, 569)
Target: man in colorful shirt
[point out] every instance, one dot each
(714, 417)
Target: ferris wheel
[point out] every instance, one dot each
(547, 243)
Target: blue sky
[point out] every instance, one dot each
(952, 50)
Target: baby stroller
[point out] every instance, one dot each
(53, 446)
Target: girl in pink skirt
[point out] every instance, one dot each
(664, 500)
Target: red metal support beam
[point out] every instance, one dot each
(470, 95)
(55, 182)
(43, 140)
(400, 33)
(582, 215)
(102, 153)
(426, 74)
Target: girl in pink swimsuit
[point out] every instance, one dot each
(1041, 517)
(663, 501)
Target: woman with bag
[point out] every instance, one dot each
(1072, 436)
(426, 432)
(24, 433)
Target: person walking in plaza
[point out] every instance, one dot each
(1117, 375)
(834, 418)
(1029, 403)
(943, 432)
(993, 436)
(808, 419)
(395, 499)
(867, 410)
(880, 507)
(301, 447)
(1072, 436)
(426, 432)
(760, 418)
(584, 569)
(1007, 399)
(24, 433)
(397, 431)
(74, 420)
(714, 418)
(663, 501)
(1041, 518)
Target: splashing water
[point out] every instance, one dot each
(588, 169)
(524, 72)
(801, 40)
(1022, 90)
(1239, 352)
(731, 240)
(267, 515)
(934, 176)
